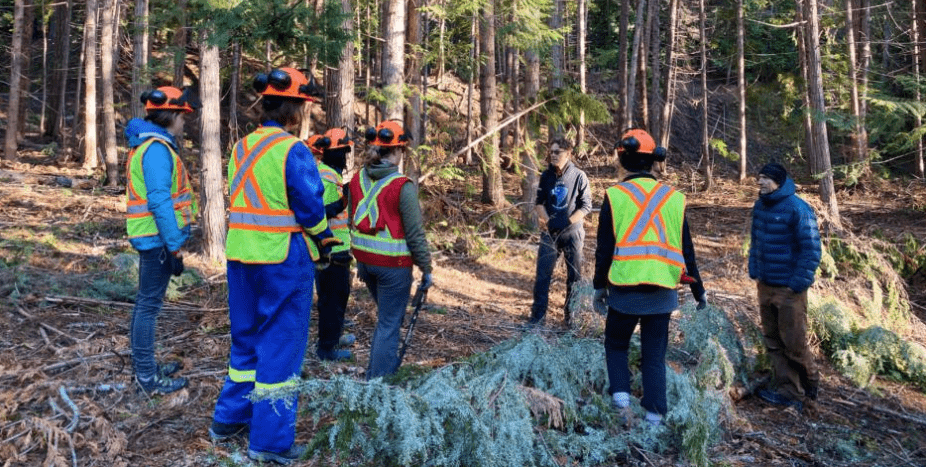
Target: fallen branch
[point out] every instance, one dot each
(93, 301)
(478, 140)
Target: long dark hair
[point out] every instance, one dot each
(285, 111)
(162, 117)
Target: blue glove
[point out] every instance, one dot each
(426, 281)
(600, 301)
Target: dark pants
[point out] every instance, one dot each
(333, 287)
(154, 268)
(784, 331)
(654, 339)
(570, 243)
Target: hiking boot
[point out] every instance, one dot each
(347, 340)
(169, 368)
(811, 390)
(773, 397)
(291, 455)
(335, 355)
(158, 384)
(219, 432)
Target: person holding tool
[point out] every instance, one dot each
(644, 252)
(387, 238)
(160, 208)
(277, 228)
(332, 284)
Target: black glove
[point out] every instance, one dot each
(342, 258)
(176, 265)
(702, 303)
(324, 246)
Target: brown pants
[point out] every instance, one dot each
(784, 329)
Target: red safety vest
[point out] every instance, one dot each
(378, 237)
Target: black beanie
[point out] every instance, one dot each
(776, 172)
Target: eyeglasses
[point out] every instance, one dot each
(556, 152)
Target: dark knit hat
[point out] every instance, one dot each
(776, 172)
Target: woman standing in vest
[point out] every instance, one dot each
(387, 238)
(159, 211)
(277, 228)
(332, 284)
(644, 251)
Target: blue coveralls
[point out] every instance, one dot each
(269, 306)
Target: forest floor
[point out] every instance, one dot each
(66, 391)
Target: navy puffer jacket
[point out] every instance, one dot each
(785, 246)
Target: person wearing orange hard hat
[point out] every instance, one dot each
(643, 253)
(332, 284)
(277, 229)
(160, 209)
(387, 239)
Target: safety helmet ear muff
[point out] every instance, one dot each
(637, 150)
(316, 144)
(167, 98)
(387, 134)
(285, 82)
(337, 138)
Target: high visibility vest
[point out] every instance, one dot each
(260, 222)
(378, 237)
(647, 218)
(138, 218)
(338, 225)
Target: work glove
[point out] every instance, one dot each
(426, 281)
(176, 264)
(600, 301)
(342, 258)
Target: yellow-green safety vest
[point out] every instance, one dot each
(332, 181)
(138, 218)
(260, 222)
(647, 218)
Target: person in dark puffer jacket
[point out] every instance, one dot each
(784, 254)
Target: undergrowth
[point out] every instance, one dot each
(533, 400)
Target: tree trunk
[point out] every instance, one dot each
(819, 143)
(25, 84)
(741, 84)
(491, 173)
(581, 31)
(622, 60)
(858, 153)
(628, 120)
(340, 111)
(394, 60)
(917, 70)
(44, 101)
(91, 160)
(655, 56)
(705, 135)
(60, 76)
(668, 102)
(12, 127)
(107, 73)
(414, 117)
(141, 79)
(556, 48)
(468, 160)
(528, 154)
(233, 83)
(180, 40)
(864, 63)
(212, 186)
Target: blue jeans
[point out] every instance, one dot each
(654, 339)
(154, 267)
(390, 288)
(570, 243)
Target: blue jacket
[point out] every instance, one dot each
(785, 243)
(157, 166)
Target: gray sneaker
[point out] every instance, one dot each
(291, 455)
(158, 384)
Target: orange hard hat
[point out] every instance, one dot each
(336, 138)
(636, 140)
(285, 82)
(166, 98)
(314, 146)
(387, 134)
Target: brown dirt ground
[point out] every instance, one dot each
(54, 241)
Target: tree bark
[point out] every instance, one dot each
(180, 40)
(622, 61)
(107, 74)
(917, 70)
(628, 119)
(668, 102)
(556, 48)
(581, 32)
(11, 144)
(413, 117)
(528, 154)
(62, 66)
(394, 60)
(233, 84)
(141, 79)
(212, 181)
(819, 143)
(705, 135)
(91, 160)
(491, 173)
(741, 84)
(858, 152)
